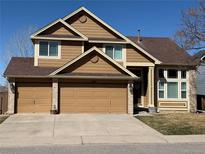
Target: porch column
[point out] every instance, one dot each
(54, 96)
(11, 98)
(151, 86)
(130, 98)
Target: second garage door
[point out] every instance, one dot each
(93, 98)
(33, 97)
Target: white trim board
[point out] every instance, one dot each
(64, 23)
(104, 41)
(101, 53)
(56, 38)
(112, 29)
(203, 58)
(139, 64)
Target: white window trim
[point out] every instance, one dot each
(123, 51)
(179, 80)
(203, 58)
(183, 90)
(161, 89)
(48, 57)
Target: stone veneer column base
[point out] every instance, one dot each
(11, 98)
(130, 98)
(192, 91)
(54, 109)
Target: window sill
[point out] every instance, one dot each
(118, 60)
(49, 57)
(173, 100)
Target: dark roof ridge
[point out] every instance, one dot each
(152, 37)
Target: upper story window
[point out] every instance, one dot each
(48, 48)
(114, 51)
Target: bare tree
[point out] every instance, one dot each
(191, 35)
(19, 45)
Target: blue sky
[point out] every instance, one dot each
(154, 18)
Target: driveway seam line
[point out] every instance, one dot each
(81, 137)
(54, 123)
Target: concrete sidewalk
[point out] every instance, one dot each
(79, 129)
(83, 140)
(184, 138)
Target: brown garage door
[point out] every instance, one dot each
(93, 98)
(33, 97)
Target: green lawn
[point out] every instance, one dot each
(2, 118)
(176, 123)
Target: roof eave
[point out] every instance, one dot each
(76, 77)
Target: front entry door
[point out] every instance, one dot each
(138, 88)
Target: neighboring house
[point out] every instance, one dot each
(83, 65)
(3, 99)
(199, 58)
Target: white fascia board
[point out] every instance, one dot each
(64, 23)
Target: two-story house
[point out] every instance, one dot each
(83, 65)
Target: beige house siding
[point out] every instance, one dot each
(90, 28)
(69, 50)
(93, 64)
(133, 55)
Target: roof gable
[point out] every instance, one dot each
(93, 58)
(89, 26)
(59, 29)
(114, 31)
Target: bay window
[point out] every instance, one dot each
(114, 51)
(172, 84)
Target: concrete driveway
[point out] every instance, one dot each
(77, 129)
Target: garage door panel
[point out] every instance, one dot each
(93, 98)
(84, 103)
(33, 97)
(26, 109)
(43, 95)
